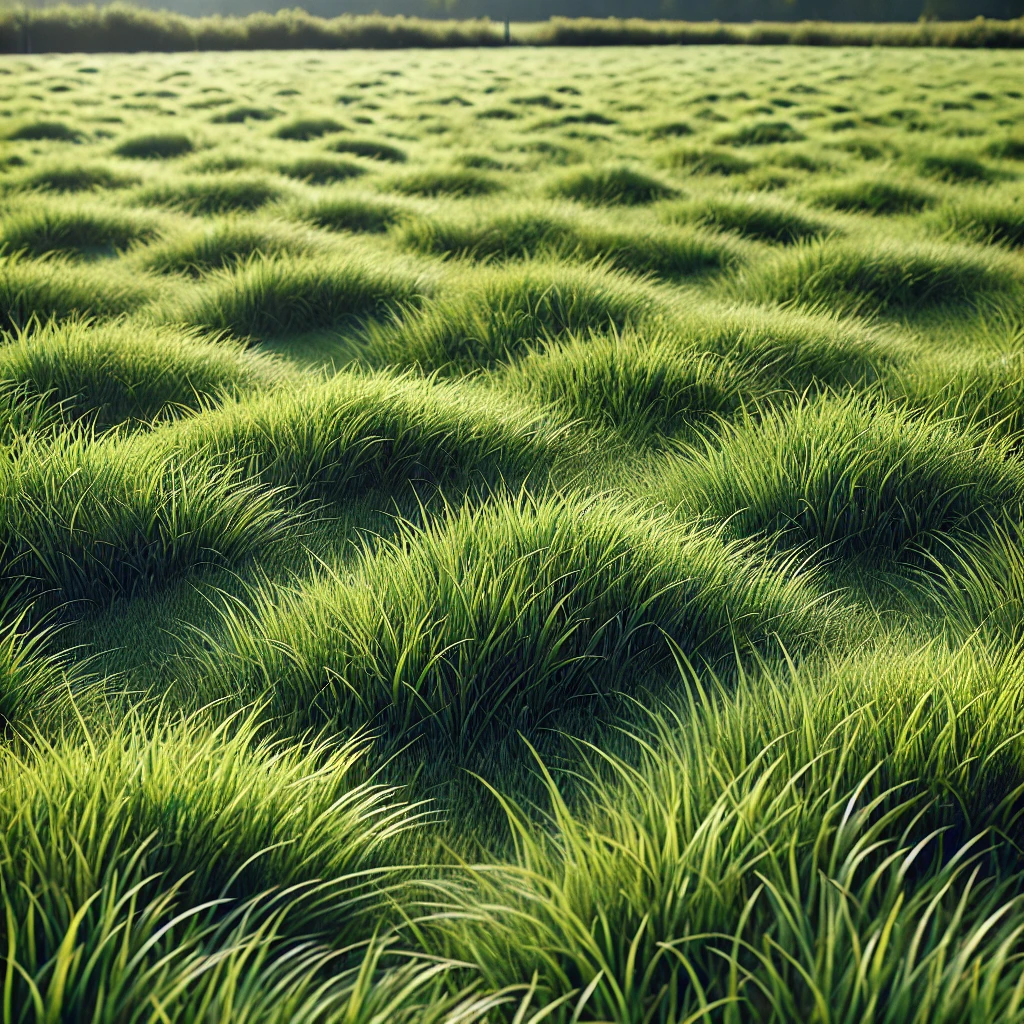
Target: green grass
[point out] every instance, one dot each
(509, 534)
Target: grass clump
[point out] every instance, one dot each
(877, 196)
(372, 149)
(955, 167)
(530, 233)
(305, 128)
(708, 161)
(456, 182)
(611, 186)
(215, 194)
(44, 131)
(86, 521)
(164, 146)
(223, 244)
(982, 220)
(78, 178)
(762, 133)
(278, 295)
(123, 371)
(646, 388)
(850, 480)
(887, 277)
(322, 170)
(755, 217)
(74, 229)
(361, 215)
(61, 289)
(493, 620)
(1009, 148)
(361, 432)
(499, 314)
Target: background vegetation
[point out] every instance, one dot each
(512, 536)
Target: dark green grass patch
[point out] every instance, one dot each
(457, 182)
(77, 178)
(664, 252)
(222, 193)
(123, 371)
(360, 432)
(318, 170)
(851, 479)
(239, 115)
(87, 521)
(165, 146)
(286, 294)
(74, 229)
(1009, 148)
(499, 313)
(708, 161)
(883, 276)
(44, 131)
(35, 689)
(59, 289)
(611, 186)
(982, 220)
(645, 386)
(493, 620)
(761, 133)
(371, 149)
(959, 168)
(304, 129)
(223, 244)
(671, 130)
(878, 196)
(753, 217)
(360, 214)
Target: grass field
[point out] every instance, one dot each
(512, 536)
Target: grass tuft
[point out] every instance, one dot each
(165, 146)
(611, 186)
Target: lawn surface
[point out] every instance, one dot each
(512, 536)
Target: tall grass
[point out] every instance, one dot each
(851, 480)
(492, 621)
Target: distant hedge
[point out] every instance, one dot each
(122, 28)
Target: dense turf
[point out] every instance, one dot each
(502, 537)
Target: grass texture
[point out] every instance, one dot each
(496, 539)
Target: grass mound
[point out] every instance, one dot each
(44, 131)
(851, 480)
(887, 277)
(532, 233)
(285, 294)
(223, 244)
(846, 792)
(1009, 148)
(982, 220)
(457, 182)
(755, 217)
(165, 146)
(611, 186)
(708, 161)
(318, 170)
(305, 128)
(221, 193)
(492, 620)
(762, 133)
(87, 521)
(361, 432)
(877, 196)
(671, 130)
(372, 149)
(498, 314)
(955, 168)
(239, 115)
(59, 289)
(78, 178)
(110, 832)
(647, 388)
(74, 229)
(362, 215)
(122, 371)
